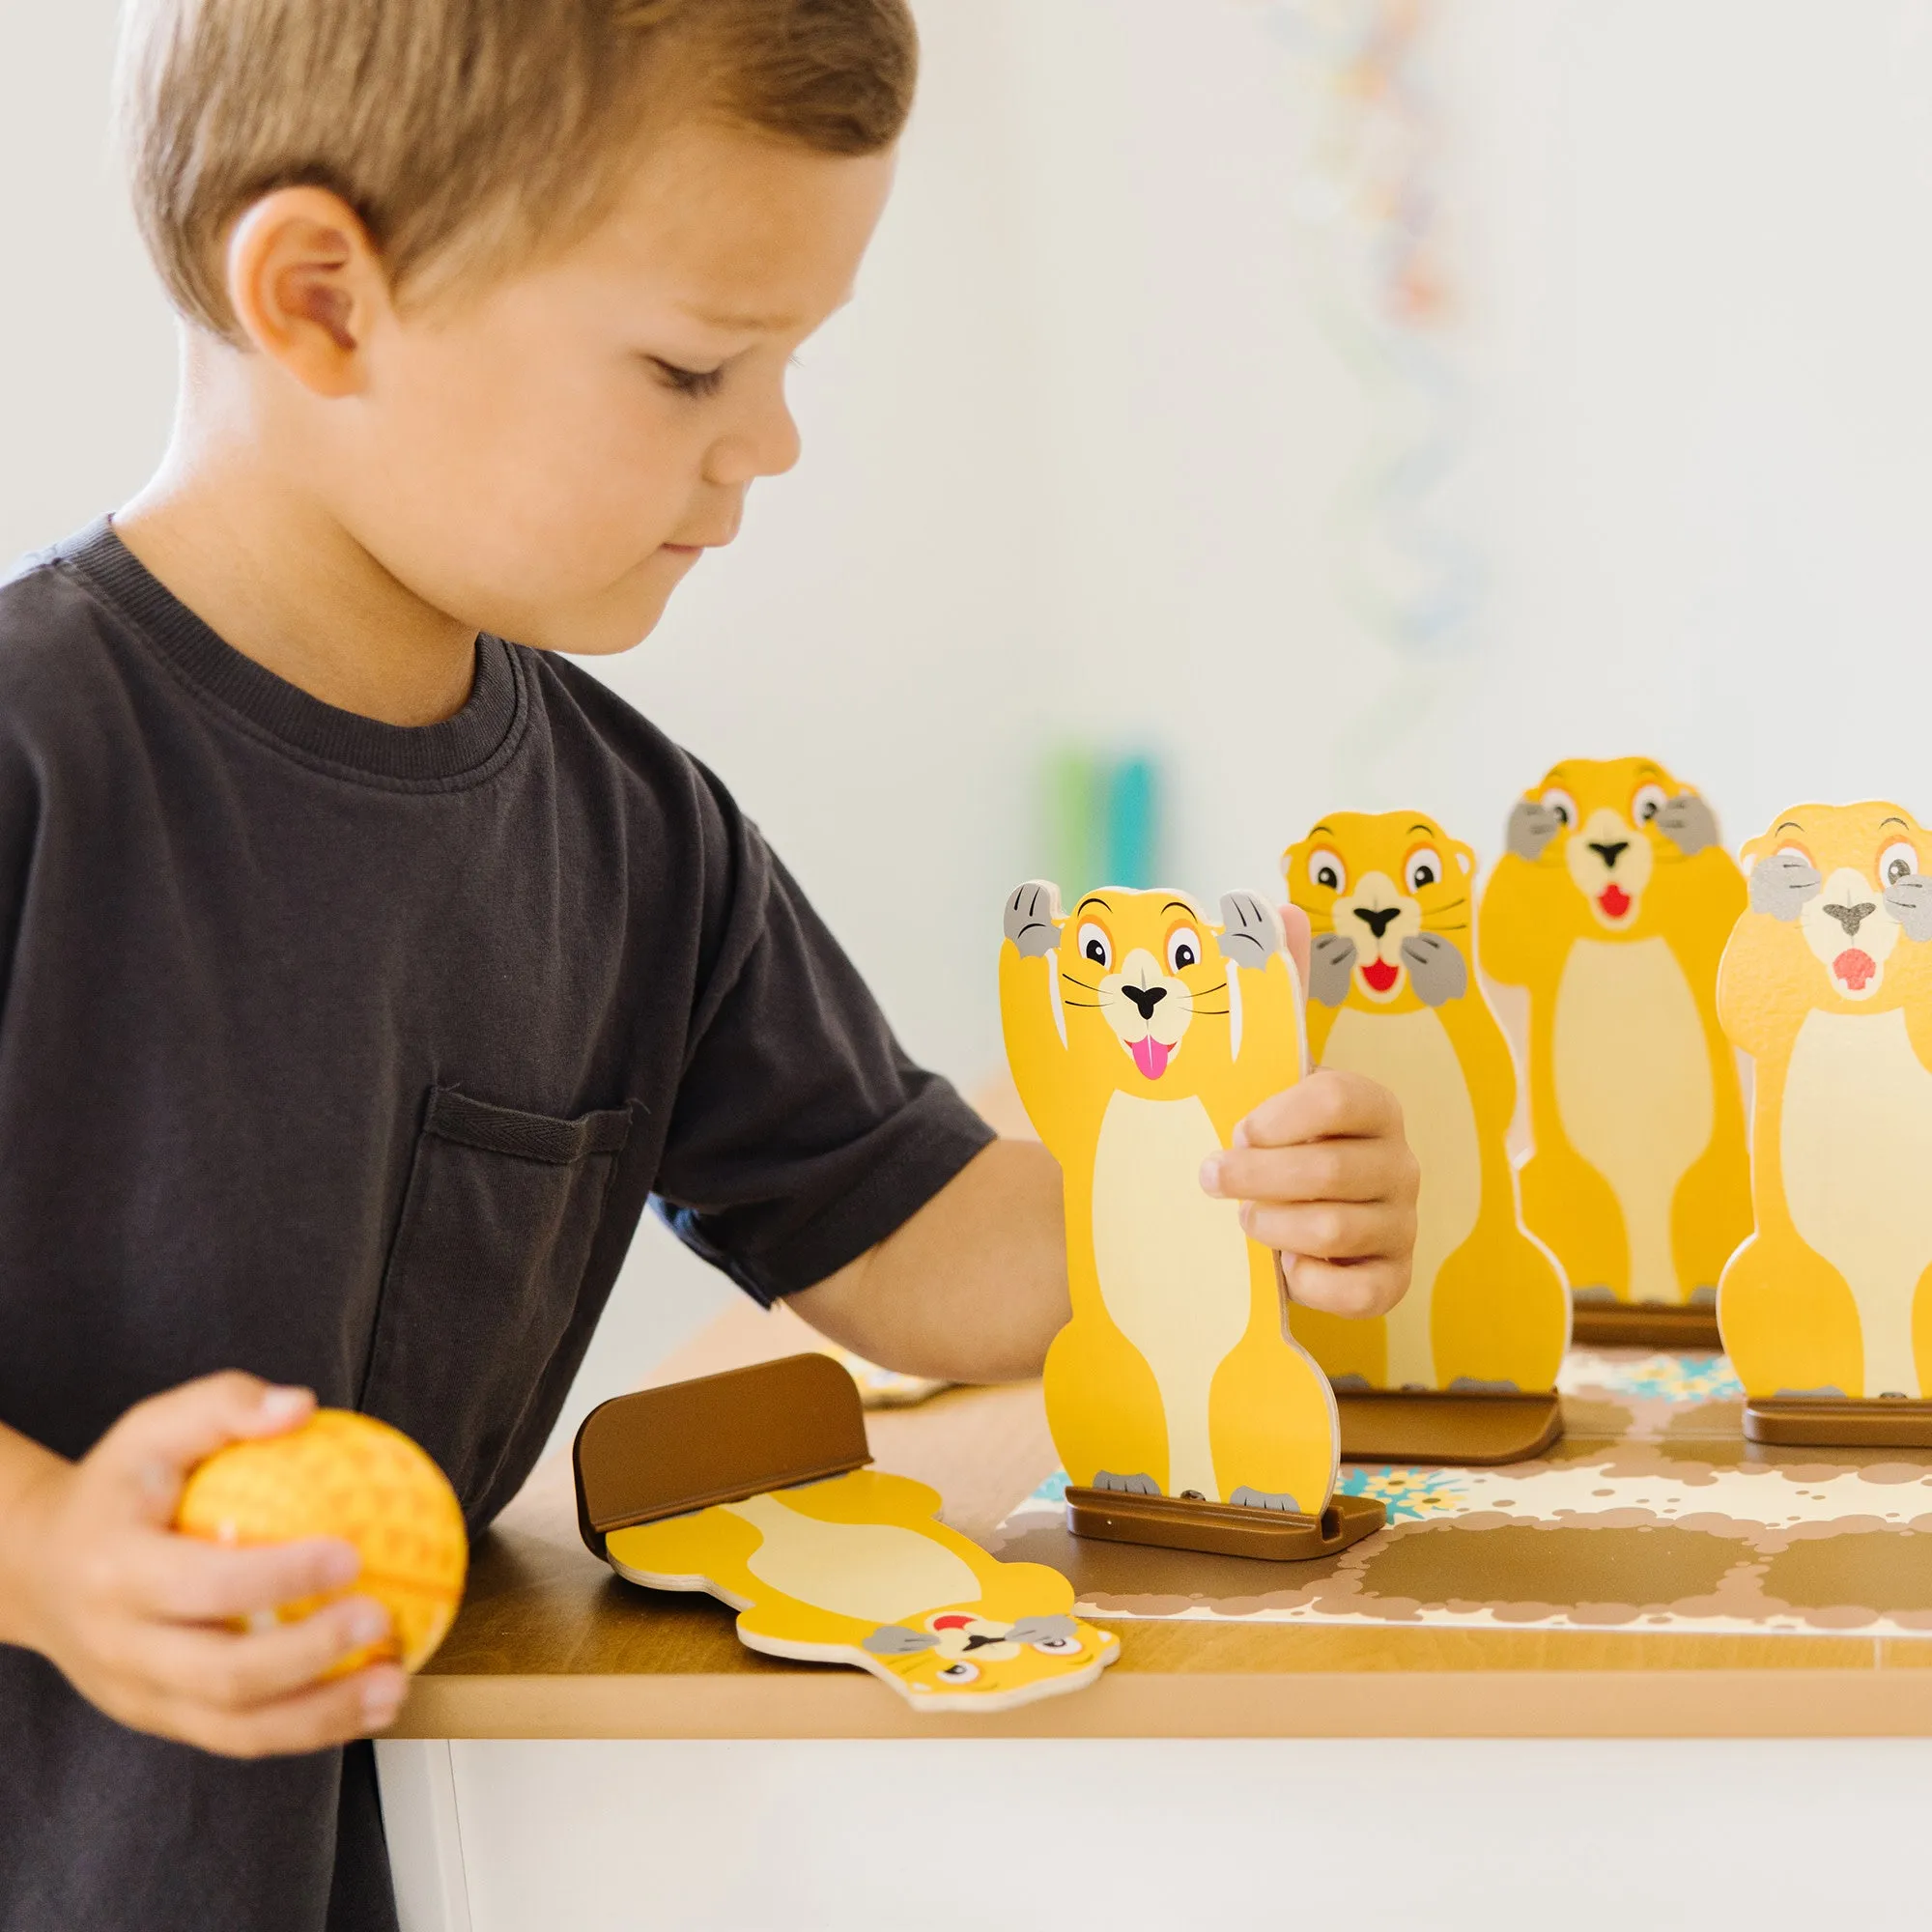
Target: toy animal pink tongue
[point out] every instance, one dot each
(1855, 966)
(1614, 900)
(1151, 1056)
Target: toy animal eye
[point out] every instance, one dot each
(1093, 945)
(960, 1672)
(1562, 805)
(1183, 950)
(1424, 868)
(1649, 800)
(1898, 862)
(1328, 870)
(1058, 1646)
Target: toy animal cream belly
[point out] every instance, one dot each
(1412, 1055)
(1633, 1078)
(878, 1572)
(1856, 1148)
(1172, 1262)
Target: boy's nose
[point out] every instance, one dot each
(1145, 998)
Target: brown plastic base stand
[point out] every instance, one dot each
(1838, 1422)
(1646, 1324)
(1443, 1426)
(717, 1439)
(1222, 1529)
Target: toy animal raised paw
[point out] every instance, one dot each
(1488, 1308)
(1139, 1036)
(1826, 983)
(1610, 909)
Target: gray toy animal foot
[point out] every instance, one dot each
(1126, 1485)
(1266, 1499)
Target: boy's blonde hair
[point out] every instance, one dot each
(470, 136)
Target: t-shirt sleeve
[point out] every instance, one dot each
(802, 1134)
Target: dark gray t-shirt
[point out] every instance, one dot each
(349, 1055)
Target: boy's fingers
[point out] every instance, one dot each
(1329, 1103)
(149, 1450)
(1301, 938)
(1355, 1289)
(1344, 1169)
(309, 1720)
(191, 1581)
(1331, 1230)
(234, 1673)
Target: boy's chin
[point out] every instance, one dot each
(620, 624)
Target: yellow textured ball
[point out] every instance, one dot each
(349, 1476)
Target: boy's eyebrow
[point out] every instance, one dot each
(733, 322)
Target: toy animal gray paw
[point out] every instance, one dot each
(896, 1640)
(1688, 822)
(1126, 1486)
(1330, 961)
(1250, 929)
(1437, 969)
(1909, 900)
(1532, 825)
(1781, 884)
(1029, 923)
(1042, 1630)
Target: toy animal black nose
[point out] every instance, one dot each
(1851, 918)
(1145, 998)
(1378, 919)
(1609, 854)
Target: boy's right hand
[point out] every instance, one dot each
(136, 1614)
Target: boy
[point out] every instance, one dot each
(365, 972)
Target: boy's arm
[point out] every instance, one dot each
(974, 1286)
(136, 1617)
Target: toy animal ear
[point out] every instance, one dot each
(1465, 857)
(1033, 918)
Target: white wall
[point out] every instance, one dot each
(1087, 455)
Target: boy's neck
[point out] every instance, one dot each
(266, 567)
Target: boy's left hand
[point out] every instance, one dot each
(1324, 1177)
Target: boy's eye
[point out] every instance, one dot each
(688, 382)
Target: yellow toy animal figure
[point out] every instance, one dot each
(1139, 1035)
(859, 1570)
(1826, 983)
(1610, 908)
(1393, 997)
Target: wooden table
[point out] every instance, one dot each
(551, 1645)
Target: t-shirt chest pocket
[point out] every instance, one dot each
(483, 1278)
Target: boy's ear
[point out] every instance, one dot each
(306, 283)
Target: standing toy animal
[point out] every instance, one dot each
(1139, 1035)
(1826, 983)
(1611, 908)
(858, 1570)
(1392, 995)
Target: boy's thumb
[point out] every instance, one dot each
(153, 1447)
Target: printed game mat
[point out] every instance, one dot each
(1651, 1513)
